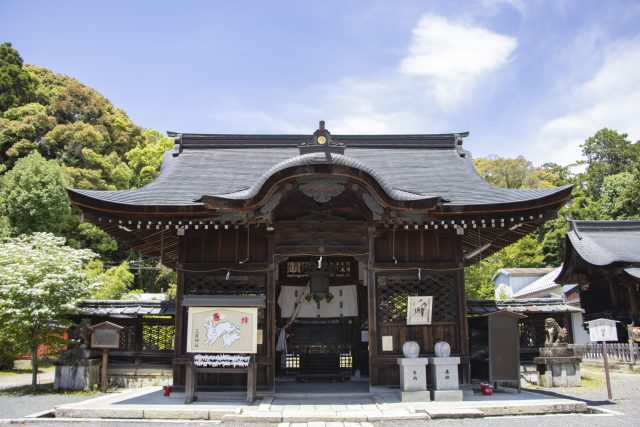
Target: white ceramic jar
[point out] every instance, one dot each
(411, 349)
(442, 349)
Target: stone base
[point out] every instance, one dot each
(77, 377)
(413, 374)
(559, 374)
(446, 395)
(444, 373)
(415, 396)
(136, 377)
(529, 374)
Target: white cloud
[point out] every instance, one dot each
(453, 57)
(444, 63)
(609, 98)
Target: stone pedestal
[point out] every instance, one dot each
(79, 376)
(444, 379)
(558, 366)
(413, 379)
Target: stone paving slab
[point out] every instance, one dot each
(148, 403)
(437, 413)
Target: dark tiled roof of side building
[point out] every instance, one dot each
(606, 242)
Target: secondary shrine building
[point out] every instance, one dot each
(333, 231)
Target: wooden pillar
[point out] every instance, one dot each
(138, 339)
(104, 371)
(269, 337)
(463, 325)
(178, 344)
(568, 324)
(633, 302)
(613, 290)
(371, 291)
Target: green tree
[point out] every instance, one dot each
(22, 127)
(556, 175)
(526, 252)
(607, 153)
(115, 282)
(146, 158)
(41, 283)
(166, 280)
(513, 173)
(620, 196)
(580, 207)
(66, 143)
(17, 85)
(87, 235)
(34, 196)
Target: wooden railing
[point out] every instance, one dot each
(616, 352)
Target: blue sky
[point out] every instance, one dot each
(531, 78)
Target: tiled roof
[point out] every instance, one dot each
(127, 308)
(524, 271)
(635, 272)
(522, 306)
(542, 284)
(605, 242)
(419, 169)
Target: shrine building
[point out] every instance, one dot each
(332, 231)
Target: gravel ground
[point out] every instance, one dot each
(45, 376)
(625, 388)
(14, 406)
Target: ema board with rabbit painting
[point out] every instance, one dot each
(222, 330)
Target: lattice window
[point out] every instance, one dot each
(209, 284)
(157, 336)
(392, 293)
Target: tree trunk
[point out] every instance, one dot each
(34, 366)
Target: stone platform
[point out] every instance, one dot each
(558, 366)
(148, 403)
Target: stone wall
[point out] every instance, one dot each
(132, 376)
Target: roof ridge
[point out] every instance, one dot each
(202, 140)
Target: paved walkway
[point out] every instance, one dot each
(149, 403)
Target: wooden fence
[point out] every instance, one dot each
(616, 352)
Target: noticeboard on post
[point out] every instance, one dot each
(603, 330)
(222, 330)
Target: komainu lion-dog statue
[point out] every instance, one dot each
(554, 332)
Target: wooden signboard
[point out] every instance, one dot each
(105, 335)
(603, 330)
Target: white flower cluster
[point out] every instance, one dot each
(41, 281)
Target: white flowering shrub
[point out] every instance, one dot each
(41, 283)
